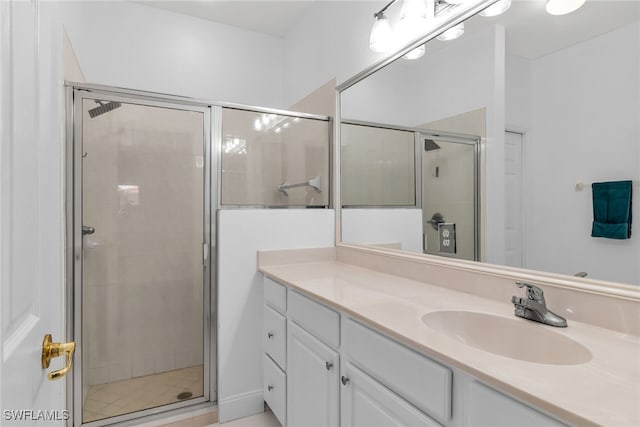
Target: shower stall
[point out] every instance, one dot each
(146, 175)
(140, 222)
(397, 169)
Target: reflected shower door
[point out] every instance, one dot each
(449, 195)
(143, 275)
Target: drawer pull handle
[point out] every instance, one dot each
(269, 388)
(344, 380)
(270, 335)
(329, 365)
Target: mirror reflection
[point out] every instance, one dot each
(487, 146)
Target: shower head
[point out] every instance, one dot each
(430, 145)
(103, 108)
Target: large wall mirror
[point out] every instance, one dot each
(486, 147)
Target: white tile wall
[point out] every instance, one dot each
(378, 166)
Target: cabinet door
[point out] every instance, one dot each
(312, 380)
(367, 403)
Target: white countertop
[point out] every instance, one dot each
(603, 391)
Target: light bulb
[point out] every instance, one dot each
(381, 39)
(562, 7)
(415, 53)
(452, 33)
(497, 8)
(414, 9)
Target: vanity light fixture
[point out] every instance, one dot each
(415, 53)
(563, 7)
(497, 8)
(414, 18)
(412, 9)
(381, 39)
(452, 33)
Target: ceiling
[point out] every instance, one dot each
(264, 16)
(531, 31)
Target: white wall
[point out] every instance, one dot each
(241, 233)
(393, 227)
(135, 46)
(331, 40)
(518, 80)
(585, 126)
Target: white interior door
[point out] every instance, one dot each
(514, 238)
(31, 211)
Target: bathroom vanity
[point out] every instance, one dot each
(351, 344)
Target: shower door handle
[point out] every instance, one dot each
(52, 349)
(436, 218)
(86, 229)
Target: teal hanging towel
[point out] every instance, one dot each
(612, 209)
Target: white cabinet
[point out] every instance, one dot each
(332, 371)
(367, 403)
(274, 340)
(322, 322)
(274, 388)
(418, 379)
(274, 337)
(489, 408)
(312, 380)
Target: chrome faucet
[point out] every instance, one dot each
(533, 307)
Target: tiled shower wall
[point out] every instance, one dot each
(378, 166)
(143, 270)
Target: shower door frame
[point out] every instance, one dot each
(75, 95)
(471, 140)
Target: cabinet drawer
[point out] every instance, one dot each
(366, 403)
(423, 382)
(274, 335)
(275, 295)
(274, 388)
(489, 408)
(322, 322)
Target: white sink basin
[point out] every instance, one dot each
(514, 338)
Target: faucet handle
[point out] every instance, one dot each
(533, 292)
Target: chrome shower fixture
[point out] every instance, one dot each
(103, 107)
(430, 145)
(315, 183)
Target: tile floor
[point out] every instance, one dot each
(266, 419)
(122, 397)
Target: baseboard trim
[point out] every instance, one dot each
(240, 406)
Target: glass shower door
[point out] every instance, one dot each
(449, 197)
(144, 278)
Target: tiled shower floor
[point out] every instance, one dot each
(123, 397)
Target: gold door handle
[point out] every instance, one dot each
(56, 349)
